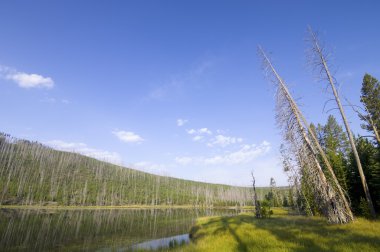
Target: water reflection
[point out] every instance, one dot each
(167, 242)
(90, 230)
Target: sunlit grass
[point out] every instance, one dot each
(282, 232)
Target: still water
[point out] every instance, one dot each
(96, 230)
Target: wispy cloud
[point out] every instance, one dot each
(183, 160)
(161, 92)
(244, 155)
(83, 149)
(202, 67)
(264, 167)
(205, 135)
(48, 100)
(54, 100)
(199, 134)
(197, 138)
(128, 136)
(177, 83)
(26, 80)
(200, 131)
(181, 122)
(224, 141)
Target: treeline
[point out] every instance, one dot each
(31, 173)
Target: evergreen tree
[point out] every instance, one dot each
(371, 100)
(272, 196)
(335, 144)
(369, 156)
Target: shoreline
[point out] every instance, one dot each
(36, 207)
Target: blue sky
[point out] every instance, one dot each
(174, 87)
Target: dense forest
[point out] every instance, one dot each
(31, 173)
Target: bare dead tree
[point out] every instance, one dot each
(318, 58)
(296, 135)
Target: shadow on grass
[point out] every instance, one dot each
(223, 225)
(241, 245)
(293, 233)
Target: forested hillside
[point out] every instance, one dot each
(31, 173)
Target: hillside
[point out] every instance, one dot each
(31, 173)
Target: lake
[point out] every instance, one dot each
(97, 230)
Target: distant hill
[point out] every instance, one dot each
(34, 174)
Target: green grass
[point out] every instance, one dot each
(282, 232)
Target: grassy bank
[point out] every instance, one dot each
(282, 232)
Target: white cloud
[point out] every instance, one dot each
(25, 80)
(191, 131)
(199, 131)
(197, 138)
(83, 149)
(181, 122)
(128, 136)
(204, 131)
(244, 155)
(264, 167)
(219, 140)
(224, 141)
(199, 134)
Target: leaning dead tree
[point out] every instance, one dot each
(296, 133)
(327, 164)
(318, 58)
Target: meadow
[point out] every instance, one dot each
(282, 232)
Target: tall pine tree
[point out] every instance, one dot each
(371, 100)
(335, 144)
